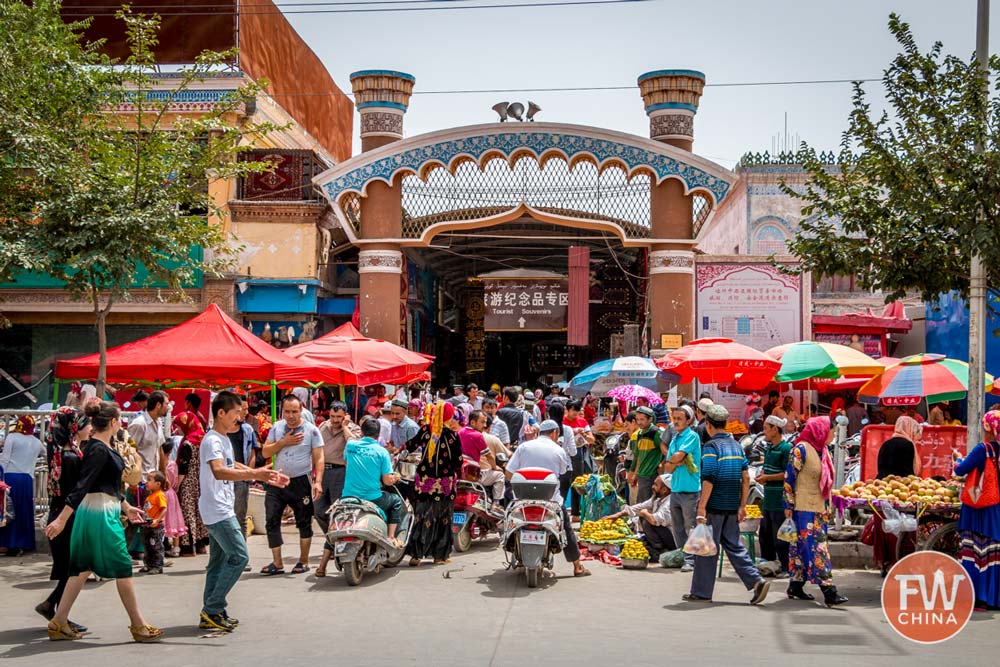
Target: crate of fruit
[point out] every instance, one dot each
(634, 555)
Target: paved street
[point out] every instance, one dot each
(473, 612)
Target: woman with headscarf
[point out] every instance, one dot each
(69, 429)
(897, 456)
(21, 450)
(808, 488)
(434, 484)
(188, 484)
(979, 528)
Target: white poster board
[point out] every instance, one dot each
(752, 303)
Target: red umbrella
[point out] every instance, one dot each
(346, 357)
(720, 361)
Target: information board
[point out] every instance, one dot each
(531, 304)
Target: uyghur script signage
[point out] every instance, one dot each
(532, 304)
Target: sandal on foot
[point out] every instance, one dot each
(60, 632)
(584, 572)
(82, 629)
(320, 572)
(271, 570)
(145, 634)
(300, 568)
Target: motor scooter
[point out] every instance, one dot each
(532, 531)
(359, 534)
(474, 517)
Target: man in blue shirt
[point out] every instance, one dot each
(369, 466)
(684, 464)
(725, 483)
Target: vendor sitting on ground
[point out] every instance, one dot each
(368, 468)
(654, 518)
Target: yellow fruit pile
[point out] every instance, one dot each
(753, 512)
(581, 481)
(635, 550)
(604, 530)
(904, 490)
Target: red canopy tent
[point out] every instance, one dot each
(211, 349)
(347, 357)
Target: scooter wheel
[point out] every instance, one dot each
(463, 539)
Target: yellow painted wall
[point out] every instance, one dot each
(276, 249)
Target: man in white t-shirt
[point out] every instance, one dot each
(147, 433)
(216, 504)
(544, 452)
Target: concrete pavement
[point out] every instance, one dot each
(471, 612)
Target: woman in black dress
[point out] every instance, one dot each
(897, 456)
(434, 485)
(69, 428)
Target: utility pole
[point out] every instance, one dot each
(977, 278)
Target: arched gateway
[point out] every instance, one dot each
(517, 195)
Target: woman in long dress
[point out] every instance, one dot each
(808, 489)
(188, 485)
(979, 528)
(97, 539)
(434, 485)
(70, 428)
(21, 450)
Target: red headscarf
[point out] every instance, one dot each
(25, 424)
(190, 426)
(815, 433)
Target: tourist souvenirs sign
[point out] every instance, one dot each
(525, 304)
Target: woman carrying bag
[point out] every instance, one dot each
(979, 523)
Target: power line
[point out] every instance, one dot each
(570, 3)
(575, 89)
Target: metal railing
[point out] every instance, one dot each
(43, 420)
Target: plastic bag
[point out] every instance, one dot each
(892, 521)
(700, 541)
(908, 524)
(673, 558)
(787, 532)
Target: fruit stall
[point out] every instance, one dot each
(928, 508)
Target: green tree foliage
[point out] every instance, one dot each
(899, 211)
(98, 179)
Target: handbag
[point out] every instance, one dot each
(982, 489)
(6, 503)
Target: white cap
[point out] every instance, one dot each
(775, 420)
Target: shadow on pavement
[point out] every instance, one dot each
(505, 583)
(334, 580)
(26, 642)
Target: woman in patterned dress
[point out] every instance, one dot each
(434, 485)
(188, 486)
(808, 487)
(979, 528)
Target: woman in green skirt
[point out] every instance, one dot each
(97, 540)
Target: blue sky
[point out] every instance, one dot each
(611, 45)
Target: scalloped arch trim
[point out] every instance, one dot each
(480, 144)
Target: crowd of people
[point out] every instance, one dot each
(124, 496)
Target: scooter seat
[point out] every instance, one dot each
(367, 504)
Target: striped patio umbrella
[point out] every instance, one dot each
(922, 376)
(810, 360)
(600, 378)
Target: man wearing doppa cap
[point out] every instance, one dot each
(545, 452)
(647, 454)
(654, 518)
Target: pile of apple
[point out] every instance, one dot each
(910, 490)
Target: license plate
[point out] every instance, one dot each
(458, 517)
(534, 537)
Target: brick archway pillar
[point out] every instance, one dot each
(382, 98)
(671, 98)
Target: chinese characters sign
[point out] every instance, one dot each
(935, 449)
(870, 344)
(525, 304)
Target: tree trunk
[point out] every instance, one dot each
(102, 349)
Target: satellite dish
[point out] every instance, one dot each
(501, 109)
(532, 110)
(516, 111)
